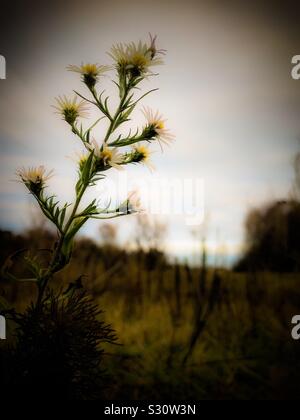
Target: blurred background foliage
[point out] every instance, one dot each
(184, 332)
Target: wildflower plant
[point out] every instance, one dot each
(132, 64)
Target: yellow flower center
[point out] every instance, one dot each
(144, 152)
(106, 155)
(139, 60)
(71, 108)
(89, 69)
(160, 125)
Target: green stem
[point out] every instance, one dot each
(45, 279)
(117, 113)
(99, 104)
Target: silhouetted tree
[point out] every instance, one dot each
(272, 237)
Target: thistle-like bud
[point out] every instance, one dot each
(141, 154)
(90, 72)
(34, 178)
(81, 160)
(70, 109)
(155, 128)
(154, 51)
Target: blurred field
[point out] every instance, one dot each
(243, 348)
(187, 333)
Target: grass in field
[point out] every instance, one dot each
(188, 333)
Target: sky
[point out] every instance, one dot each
(225, 88)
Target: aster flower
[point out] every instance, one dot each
(90, 72)
(34, 177)
(141, 154)
(141, 56)
(155, 127)
(136, 58)
(71, 109)
(106, 157)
